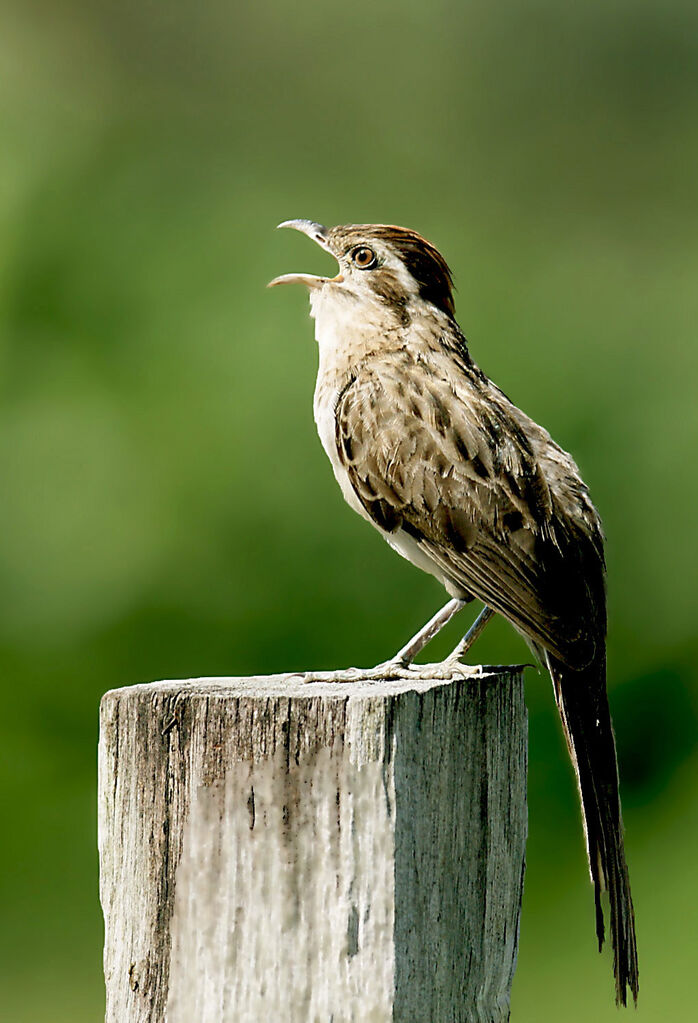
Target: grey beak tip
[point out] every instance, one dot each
(316, 231)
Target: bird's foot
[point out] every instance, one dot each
(453, 667)
(385, 672)
(395, 670)
(398, 668)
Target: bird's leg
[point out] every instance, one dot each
(471, 635)
(408, 653)
(401, 666)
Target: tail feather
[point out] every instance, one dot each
(586, 720)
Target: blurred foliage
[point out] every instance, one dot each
(167, 510)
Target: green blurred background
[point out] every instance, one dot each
(167, 510)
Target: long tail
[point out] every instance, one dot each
(586, 719)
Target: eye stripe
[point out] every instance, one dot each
(420, 258)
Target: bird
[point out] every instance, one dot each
(465, 486)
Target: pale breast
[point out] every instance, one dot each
(327, 391)
(324, 403)
(342, 344)
(324, 407)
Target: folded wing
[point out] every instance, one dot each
(435, 449)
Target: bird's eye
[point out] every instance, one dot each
(364, 257)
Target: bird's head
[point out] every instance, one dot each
(378, 264)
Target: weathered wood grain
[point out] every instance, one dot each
(342, 852)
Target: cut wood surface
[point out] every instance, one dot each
(291, 849)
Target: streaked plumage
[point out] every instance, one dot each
(467, 487)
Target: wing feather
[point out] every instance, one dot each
(432, 447)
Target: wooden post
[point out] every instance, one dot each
(308, 851)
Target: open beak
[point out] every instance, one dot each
(319, 234)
